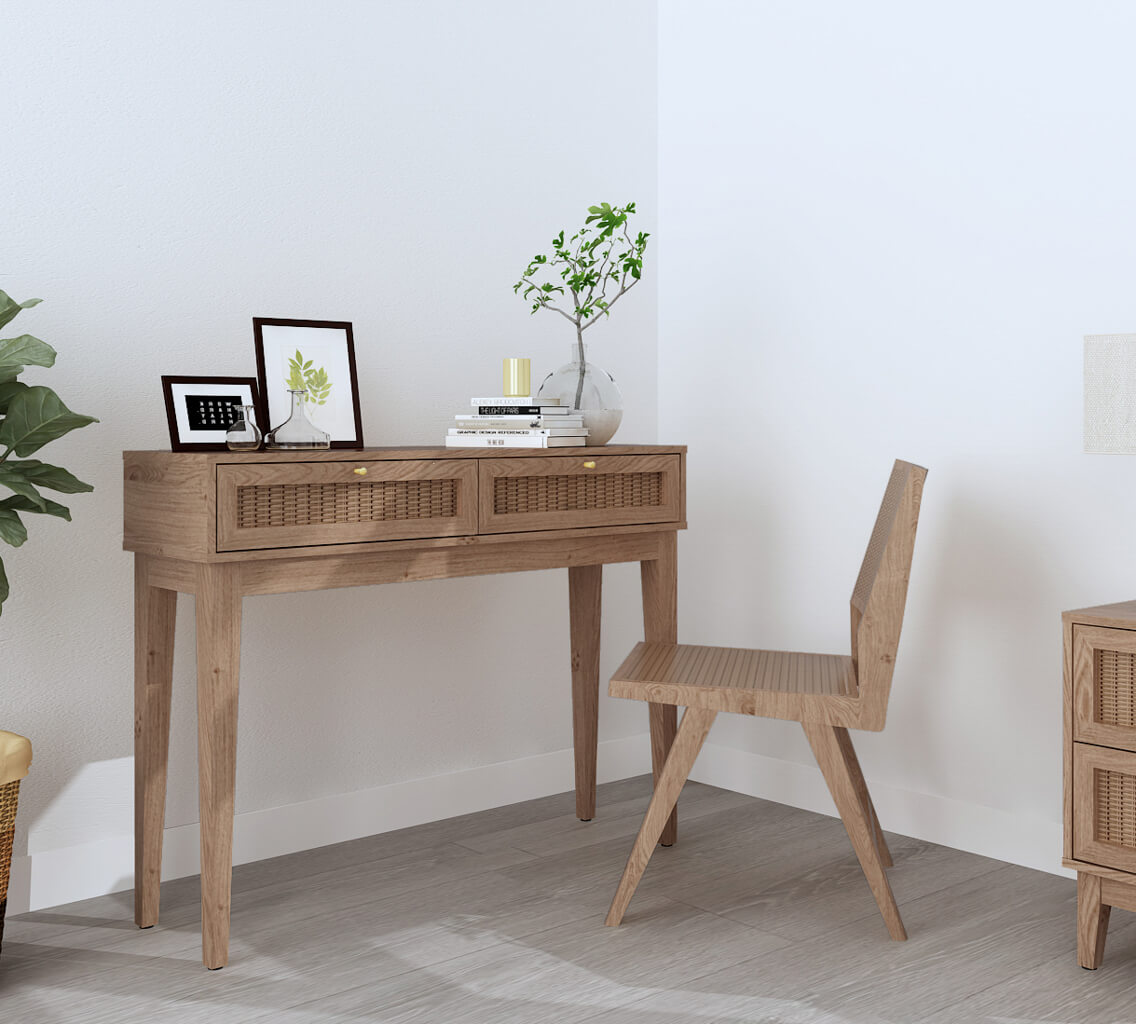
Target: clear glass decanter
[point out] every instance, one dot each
(297, 431)
(243, 434)
(591, 391)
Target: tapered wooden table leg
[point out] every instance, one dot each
(660, 625)
(1092, 921)
(218, 665)
(154, 614)
(584, 593)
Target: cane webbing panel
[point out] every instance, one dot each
(9, 795)
(1115, 677)
(576, 493)
(1115, 811)
(738, 668)
(267, 505)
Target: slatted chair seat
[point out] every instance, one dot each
(828, 694)
(773, 684)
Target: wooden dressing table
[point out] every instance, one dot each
(228, 525)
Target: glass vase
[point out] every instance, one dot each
(243, 434)
(297, 431)
(589, 390)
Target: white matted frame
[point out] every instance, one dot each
(326, 363)
(196, 409)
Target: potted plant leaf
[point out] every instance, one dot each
(587, 273)
(31, 416)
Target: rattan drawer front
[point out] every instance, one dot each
(1104, 686)
(1104, 806)
(298, 504)
(559, 492)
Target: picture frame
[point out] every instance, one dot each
(196, 409)
(326, 351)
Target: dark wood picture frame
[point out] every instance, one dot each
(176, 443)
(260, 322)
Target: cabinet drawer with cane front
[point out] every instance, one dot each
(1104, 686)
(1104, 806)
(296, 504)
(553, 493)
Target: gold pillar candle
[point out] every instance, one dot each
(516, 378)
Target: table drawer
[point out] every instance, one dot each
(298, 504)
(1104, 806)
(1104, 686)
(558, 492)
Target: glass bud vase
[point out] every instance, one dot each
(589, 390)
(243, 434)
(297, 431)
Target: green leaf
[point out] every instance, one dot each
(3, 586)
(8, 391)
(52, 477)
(11, 478)
(35, 417)
(26, 351)
(21, 504)
(12, 531)
(9, 307)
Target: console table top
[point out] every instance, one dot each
(406, 452)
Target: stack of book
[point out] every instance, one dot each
(517, 422)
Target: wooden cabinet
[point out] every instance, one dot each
(1100, 767)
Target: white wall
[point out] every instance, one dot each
(171, 171)
(886, 227)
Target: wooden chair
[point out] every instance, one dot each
(828, 694)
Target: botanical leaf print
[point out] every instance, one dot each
(303, 376)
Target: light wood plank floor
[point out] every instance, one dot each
(760, 914)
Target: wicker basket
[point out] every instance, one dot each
(9, 797)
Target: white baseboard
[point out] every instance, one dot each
(1019, 839)
(47, 878)
(63, 875)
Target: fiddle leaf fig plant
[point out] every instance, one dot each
(600, 255)
(30, 417)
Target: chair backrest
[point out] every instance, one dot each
(881, 590)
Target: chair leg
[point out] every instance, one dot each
(684, 750)
(828, 752)
(853, 763)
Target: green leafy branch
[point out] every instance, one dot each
(302, 377)
(601, 255)
(30, 417)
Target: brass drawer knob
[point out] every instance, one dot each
(361, 471)
(589, 465)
